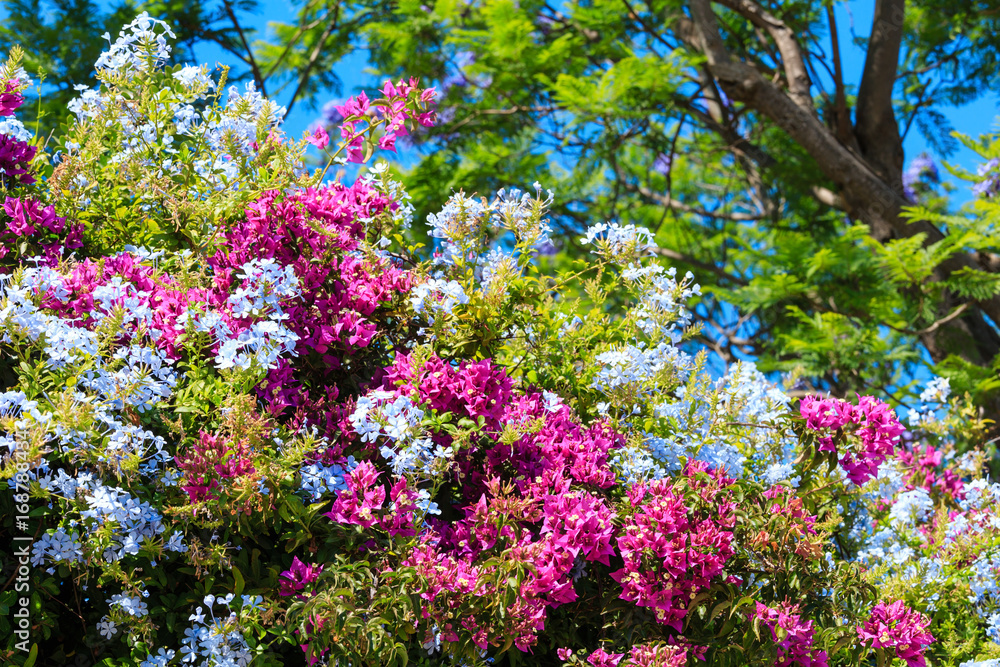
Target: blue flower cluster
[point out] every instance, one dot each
(20, 318)
(934, 397)
(384, 414)
(317, 478)
(218, 642)
(217, 140)
(212, 641)
(661, 312)
(145, 378)
(638, 369)
(133, 523)
(911, 507)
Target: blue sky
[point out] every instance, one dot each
(853, 19)
(351, 70)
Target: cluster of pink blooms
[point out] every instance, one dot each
(873, 423)
(792, 635)
(362, 504)
(671, 550)
(532, 501)
(294, 580)
(896, 626)
(468, 389)
(924, 469)
(15, 154)
(459, 564)
(401, 103)
(642, 655)
(210, 462)
(10, 98)
(298, 576)
(483, 390)
(318, 233)
(166, 302)
(28, 220)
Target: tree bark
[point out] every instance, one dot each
(869, 196)
(875, 119)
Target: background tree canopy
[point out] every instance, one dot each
(725, 127)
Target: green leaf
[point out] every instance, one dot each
(240, 583)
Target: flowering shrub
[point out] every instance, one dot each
(247, 419)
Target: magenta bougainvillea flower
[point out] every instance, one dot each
(27, 220)
(10, 98)
(672, 551)
(298, 576)
(873, 423)
(791, 633)
(896, 626)
(15, 161)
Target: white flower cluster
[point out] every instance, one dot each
(263, 343)
(723, 423)
(662, 308)
(265, 284)
(521, 213)
(220, 138)
(139, 47)
(145, 379)
(639, 367)
(211, 641)
(620, 243)
(477, 233)
(14, 128)
(384, 414)
(934, 397)
(911, 507)
(195, 77)
(239, 123)
(437, 296)
(64, 343)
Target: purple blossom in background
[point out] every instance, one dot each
(546, 21)
(990, 185)
(329, 116)
(463, 60)
(919, 176)
(446, 115)
(662, 163)
(546, 249)
(451, 81)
